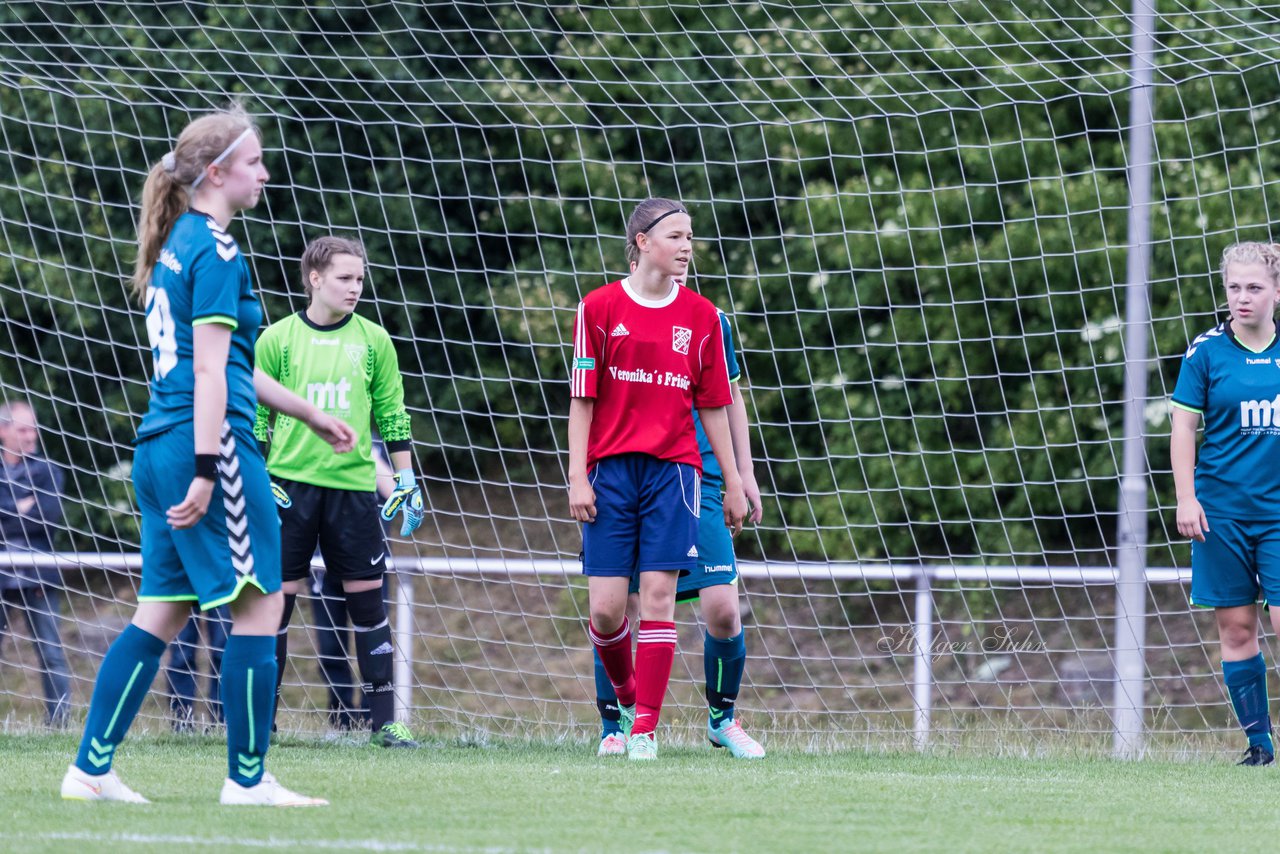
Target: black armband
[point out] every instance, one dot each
(207, 466)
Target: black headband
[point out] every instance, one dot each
(646, 229)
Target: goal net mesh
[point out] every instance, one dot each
(915, 214)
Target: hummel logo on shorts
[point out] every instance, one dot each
(619, 331)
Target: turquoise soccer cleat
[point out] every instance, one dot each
(643, 747)
(731, 737)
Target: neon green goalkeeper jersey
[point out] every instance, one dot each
(348, 369)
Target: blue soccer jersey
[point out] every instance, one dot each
(711, 468)
(201, 277)
(1237, 391)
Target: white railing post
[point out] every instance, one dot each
(922, 676)
(402, 676)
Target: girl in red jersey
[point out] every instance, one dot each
(646, 353)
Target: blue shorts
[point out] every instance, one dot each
(236, 543)
(1236, 562)
(716, 561)
(646, 517)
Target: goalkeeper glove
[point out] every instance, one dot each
(283, 501)
(407, 496)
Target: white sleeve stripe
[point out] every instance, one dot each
(578, 387)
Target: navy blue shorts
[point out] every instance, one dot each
(716, 561)
(237, 542)
(646, 517)
(1237, 564)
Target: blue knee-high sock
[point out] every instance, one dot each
(606, 701)
(1247, 684)
(123, 682)
(248, 695)
(723, 662)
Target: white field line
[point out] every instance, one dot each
(274, 842)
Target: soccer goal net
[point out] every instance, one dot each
(914, 213)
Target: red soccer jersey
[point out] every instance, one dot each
(647, 363)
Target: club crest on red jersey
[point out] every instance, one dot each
(680, 338)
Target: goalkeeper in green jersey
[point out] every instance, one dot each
(346, 366)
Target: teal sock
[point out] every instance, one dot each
(248, 695)
(606, 702)
(723, 662)
(123, 682)
(1247, 684)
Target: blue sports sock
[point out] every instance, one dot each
(248, 696)
(1247, 684)
(606, 701)
(723, 662)
(123, 682)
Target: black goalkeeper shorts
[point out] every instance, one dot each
(344, 523)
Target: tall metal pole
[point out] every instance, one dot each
(1131, 587)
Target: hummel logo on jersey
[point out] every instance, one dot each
(680, 338)
(619, 331)
(1265, 361)
(693, 552)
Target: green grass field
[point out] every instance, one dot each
(561, 798)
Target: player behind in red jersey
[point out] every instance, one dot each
(646, 353)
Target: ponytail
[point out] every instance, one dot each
(163, 200)
(166, 193)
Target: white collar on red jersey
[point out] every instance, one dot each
(651, 303)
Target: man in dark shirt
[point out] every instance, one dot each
(30, 510)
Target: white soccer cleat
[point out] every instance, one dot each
(612, 745)
(642, 747)
(268, 793)
(79, 786)
(731, 736)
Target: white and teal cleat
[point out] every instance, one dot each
(79, 786)
(612, 744)
(626, 719)
(731, 737)
(642, 747)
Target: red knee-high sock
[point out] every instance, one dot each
(615, 654)
(654, 653)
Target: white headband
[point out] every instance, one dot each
(226, 152)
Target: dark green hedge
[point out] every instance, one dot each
(916, 212)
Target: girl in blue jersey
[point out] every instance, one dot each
(1229, 500)
(209, 530)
